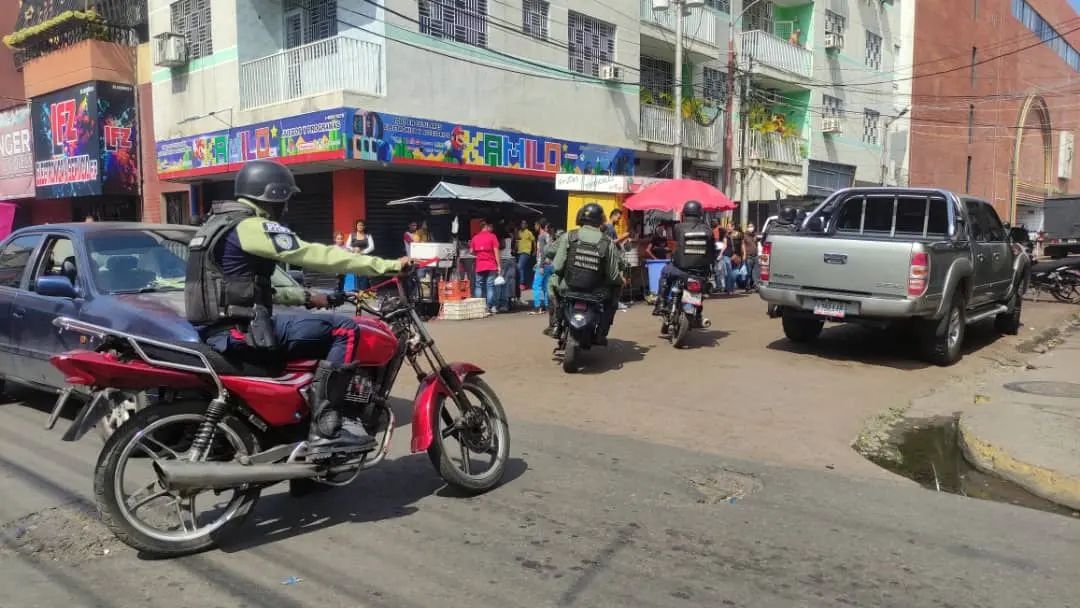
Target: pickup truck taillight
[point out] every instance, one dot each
(919, 274)
(763, 260)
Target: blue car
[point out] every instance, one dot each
(124, 276)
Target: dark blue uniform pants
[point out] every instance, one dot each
(301, 336)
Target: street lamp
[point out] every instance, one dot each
(729, 130)
(681, 9)
(885, 143)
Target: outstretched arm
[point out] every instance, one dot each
(266, 239)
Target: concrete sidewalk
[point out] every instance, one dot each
(1025, 427)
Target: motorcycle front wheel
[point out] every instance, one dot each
(152, 519)
(481, 430)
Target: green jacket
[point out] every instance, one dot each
(613, 266)
(270, 240)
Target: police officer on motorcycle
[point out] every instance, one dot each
(587, 261)
(695, 252)
(230, 297)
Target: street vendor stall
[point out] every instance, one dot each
(450, 208)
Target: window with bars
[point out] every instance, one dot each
(834, 23)
(308, 21)
(873, 50)
(714, 85)
(759, 16)
(534, 18)
(657, 76)
(464, 21)
(832, 107)
(870, 122)
(591, 43)
(192, 19)
(723, 6)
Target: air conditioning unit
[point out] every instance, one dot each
(831, 124)
(610, 72)
(834, 41)
(170, 50)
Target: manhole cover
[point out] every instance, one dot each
(1046, 389)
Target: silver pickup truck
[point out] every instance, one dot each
(882, 255)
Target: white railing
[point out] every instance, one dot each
(772, 148)
(767, 49)
(332, 64)
(658, 127)
(699, 24)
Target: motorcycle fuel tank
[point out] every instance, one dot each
(377, 343)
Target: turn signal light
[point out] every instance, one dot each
(763, 260)
(919, 274)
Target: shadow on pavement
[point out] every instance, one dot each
(615, 355)
(896, 347)
(388, 491)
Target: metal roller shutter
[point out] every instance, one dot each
(388, 224)
(311, 217)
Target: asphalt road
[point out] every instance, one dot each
(620, 493)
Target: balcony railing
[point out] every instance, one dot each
(699, 23)
(340, 63)
(774, 149)
(658, 126)
(774, 52)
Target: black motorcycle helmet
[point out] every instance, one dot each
(265, 181)
(591, 215)
(691, 209)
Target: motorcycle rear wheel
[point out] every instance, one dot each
(120, 516)
(493, 434)
(680, 329)
(570, 355)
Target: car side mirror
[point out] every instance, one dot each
(297, 275)
(56, 287)
(816, 224)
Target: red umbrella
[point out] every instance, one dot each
(672, 194)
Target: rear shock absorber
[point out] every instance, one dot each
(204, 437)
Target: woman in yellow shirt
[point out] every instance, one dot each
(526, 248)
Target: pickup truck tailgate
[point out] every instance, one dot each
(854, 266)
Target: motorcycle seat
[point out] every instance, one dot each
(222, 365)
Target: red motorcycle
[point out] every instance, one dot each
(232, 429)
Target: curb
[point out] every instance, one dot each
(1043, 482)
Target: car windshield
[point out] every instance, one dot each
(147, 260)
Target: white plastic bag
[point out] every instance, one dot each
(499, 281)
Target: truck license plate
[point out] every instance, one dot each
(827, 308)
(691, 298)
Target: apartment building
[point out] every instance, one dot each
(76, 88)
(822, 97)
(995, 112)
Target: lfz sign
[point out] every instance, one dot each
(62, 122)
(117, 138)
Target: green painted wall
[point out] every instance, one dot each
(796, 111)
(803, 15)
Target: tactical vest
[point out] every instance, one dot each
(211, 295)
(692, 251)
(585, 263)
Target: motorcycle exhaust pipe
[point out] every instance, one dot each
(183, 475)
(706, 323)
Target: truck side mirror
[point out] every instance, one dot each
(816, 224)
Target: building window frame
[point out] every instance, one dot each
(873, 50)
(590, 43)
(535, 18)
(462, 21)
(714, 85)
(871, 126)
(724, 6)
(194, 20)
(832, 107)
(835, 23)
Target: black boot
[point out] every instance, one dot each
(326, 398)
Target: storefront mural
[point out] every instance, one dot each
(16, 154)
(85, 141)
(396, 139)
(297, 139)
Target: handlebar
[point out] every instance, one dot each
(357, 298)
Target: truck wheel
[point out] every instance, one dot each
(1008, 323)
(943, 338)
(801, 329)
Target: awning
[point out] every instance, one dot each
(762, 186)
(476, 193)
(446, 198)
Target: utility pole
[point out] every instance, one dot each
(744, 98)
(729, 119)
(885, 144)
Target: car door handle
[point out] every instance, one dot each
(18, 312)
